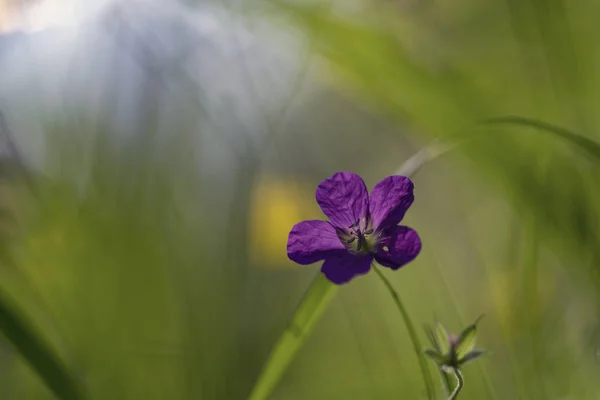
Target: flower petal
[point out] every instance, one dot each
(399, 246)
(311, 241)
(389, 201)
(341, 268)
(344, 198)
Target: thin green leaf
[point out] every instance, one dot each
(589, 146)
(427, 154)
(310, 309)
(39, 355)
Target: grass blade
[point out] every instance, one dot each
(307, 314)
(589, 146)
(41, 357)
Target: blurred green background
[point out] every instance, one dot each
(158, 153)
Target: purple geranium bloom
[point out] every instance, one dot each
(360, 228)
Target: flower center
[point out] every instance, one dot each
(359, 238)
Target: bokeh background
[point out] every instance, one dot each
(155, 155)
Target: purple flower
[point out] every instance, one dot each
(360, 228)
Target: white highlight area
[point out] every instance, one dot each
(37, 15)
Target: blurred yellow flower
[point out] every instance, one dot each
(277, 204)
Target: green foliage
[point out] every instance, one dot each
(141, 279)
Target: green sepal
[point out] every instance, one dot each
(443, 339)
(435, 356)
(431, 336)
(471, 356)
(466, 340)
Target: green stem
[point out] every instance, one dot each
(427, 379)
(459, 383)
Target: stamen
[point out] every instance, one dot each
(358, 230)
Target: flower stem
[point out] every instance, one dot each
(427, 379)
(459, 383)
